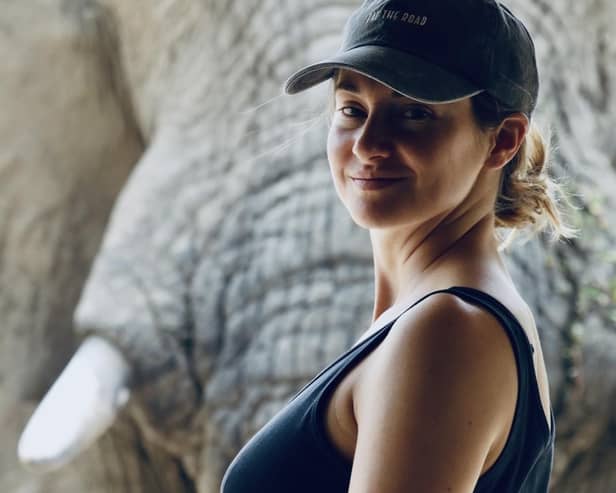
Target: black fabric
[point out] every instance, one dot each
(458, 46)
(292, 452)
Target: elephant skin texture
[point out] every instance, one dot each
(228, 273)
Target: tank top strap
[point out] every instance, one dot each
(364, 344)
(416, 302)
(500, 311)
(522, 348)
(489, 303)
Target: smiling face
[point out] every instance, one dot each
(396, 161)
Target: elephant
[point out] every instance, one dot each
(184, 229)
(68, 142)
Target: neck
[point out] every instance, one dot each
(410, 258)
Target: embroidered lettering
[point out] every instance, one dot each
(391, 15)
(399, 16)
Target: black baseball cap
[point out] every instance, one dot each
(435, 51)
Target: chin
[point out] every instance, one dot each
(375, 221)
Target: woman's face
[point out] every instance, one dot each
(396, 161)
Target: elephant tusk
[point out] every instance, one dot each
(79, 407)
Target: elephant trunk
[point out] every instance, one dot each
(79, 407)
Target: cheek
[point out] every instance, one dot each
(338, 152)
(331, 145)
(335, 146)
(463, 162)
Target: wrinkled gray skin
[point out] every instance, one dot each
(68, 141)
(229, 274)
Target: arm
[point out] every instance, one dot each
(431, 404)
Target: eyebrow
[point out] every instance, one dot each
(347, 85)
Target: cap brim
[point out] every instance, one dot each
(405, 73)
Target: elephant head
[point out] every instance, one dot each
(219, 241)
(228, 273)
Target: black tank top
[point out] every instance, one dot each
(292, 452)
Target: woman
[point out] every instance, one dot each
(431, 149)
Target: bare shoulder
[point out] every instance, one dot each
(446, 331)
(438, 395)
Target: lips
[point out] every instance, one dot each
(363, 175)
(367, 177)
(375, 183)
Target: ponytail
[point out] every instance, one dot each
(528, 198)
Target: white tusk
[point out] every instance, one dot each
(80, 406)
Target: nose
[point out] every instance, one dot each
(373, 141)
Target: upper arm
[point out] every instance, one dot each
(432, 402)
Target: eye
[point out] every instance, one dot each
(416, 113)
(351, 112)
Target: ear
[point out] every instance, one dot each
(506, 140)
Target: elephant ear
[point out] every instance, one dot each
(68, 142)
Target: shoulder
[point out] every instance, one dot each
(446, 330)
(446, 379)
(444, 338)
